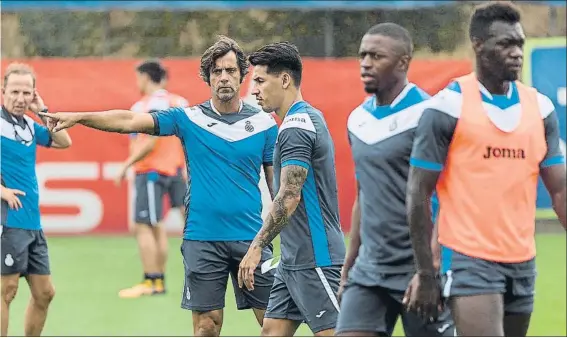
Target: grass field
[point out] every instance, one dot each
(89, 271)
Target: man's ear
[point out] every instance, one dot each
(404, 63)
(286, 80)
(477, 45)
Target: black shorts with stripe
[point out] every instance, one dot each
(307, 295)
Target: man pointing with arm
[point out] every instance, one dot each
(226, 142)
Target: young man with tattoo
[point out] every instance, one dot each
(380, 263)
(226, 142)
(305, 209)
(482, 145)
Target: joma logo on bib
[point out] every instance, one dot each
(496, 152)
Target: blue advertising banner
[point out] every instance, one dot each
(11, 5)
(102, 5)
(545, 69)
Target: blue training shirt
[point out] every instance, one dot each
(20, 138)
(224, 154)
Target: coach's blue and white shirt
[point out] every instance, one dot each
(225, 154)
(20, 138)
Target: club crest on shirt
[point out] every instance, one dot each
(248, 126)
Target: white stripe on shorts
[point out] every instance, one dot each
(328, 289)
(152, 202)
(447, 286)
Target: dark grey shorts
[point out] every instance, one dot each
(24, 252)
(308, 295)
(150, 191)
(207, 267)
(463, 275)
(3, 212)
(176, 190)
(376, 309)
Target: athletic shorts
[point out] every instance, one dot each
(308, 295)
(3, 212)
(463, 275)
(376, 309)
(177, 189)
(3, 207)
(24, 252)
(207, 267)
(150, 191)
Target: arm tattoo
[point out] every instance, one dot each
(421, 184)
(285, 202)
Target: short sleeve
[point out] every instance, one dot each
(432, 139)
(271, 137)
(42, 135)
(296, 147)
(182, 102)
(554, 154)
(167, 122)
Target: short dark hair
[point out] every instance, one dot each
(223, 46)
(394, 31)
(485, 14)
(153, 69)
(279, 57)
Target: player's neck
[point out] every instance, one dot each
(492, 84)
(152, 89)
(229, 107)
(386, 97)
(288, 101)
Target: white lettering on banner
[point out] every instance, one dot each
(562, 96)
(89, 203)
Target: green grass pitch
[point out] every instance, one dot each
(89, 271)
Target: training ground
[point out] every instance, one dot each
(89, 271)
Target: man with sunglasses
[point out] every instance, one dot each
(23, 245)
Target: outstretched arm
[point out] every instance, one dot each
(45, 137)
(162, 122)
(119, 121)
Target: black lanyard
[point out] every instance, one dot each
(17, 136)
